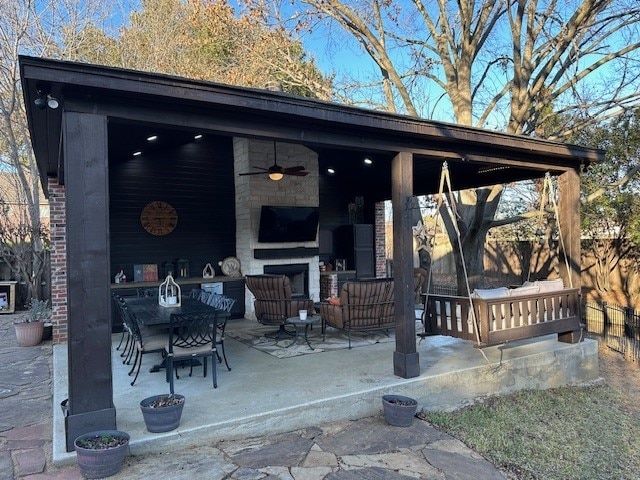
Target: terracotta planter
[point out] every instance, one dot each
(398, 410)
(161, 419)
(101, 462)
(29, 334)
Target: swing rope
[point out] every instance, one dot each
(445, 180)
(549, 195)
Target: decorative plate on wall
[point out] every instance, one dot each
(230, 266)
(159, 218)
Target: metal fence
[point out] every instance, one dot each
(619, 327)
(443, 290)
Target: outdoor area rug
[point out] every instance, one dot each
(252, 333)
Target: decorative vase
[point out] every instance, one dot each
(160, 414)
(29, 334)
(399, 410)
(101, 453)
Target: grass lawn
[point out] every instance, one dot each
(565, 433)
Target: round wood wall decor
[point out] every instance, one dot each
(159, 218)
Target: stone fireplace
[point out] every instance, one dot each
(254, 191)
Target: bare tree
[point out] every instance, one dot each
(33, 28)
(23, 244)
(534, 67)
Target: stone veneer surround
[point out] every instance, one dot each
(254, 191)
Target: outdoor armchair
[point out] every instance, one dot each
(273, 302)
(363, 305)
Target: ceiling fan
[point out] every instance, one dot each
(276, 172)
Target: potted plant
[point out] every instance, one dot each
(162, 413)
(30, 330)
(101, 453)
(399, 410)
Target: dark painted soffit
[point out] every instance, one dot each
(396, 132)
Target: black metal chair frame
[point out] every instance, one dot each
(141, 342)
(224, 303)
(119, 303)
(192, 336)
(128, 327)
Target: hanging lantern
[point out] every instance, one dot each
(169, 293)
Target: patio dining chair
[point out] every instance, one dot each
(143, 341)
(204, 296)
(191, 336)
(118, 302)
(224, 303)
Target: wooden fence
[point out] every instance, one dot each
(619, 327)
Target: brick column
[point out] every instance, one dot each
(58, 260)
(380, 239)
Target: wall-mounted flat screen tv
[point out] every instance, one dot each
(288, 224)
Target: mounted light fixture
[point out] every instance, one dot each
(52, 102)
(45, 99)
(368, 161)
(152, 138)
(276, 176)
(331, 171)
(41, 103)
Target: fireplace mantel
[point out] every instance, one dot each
(278, 253)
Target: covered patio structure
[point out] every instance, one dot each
(87, 153)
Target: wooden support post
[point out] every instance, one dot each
(569, 206)
(88, 300)
(405, 359)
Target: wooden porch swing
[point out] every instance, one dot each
(496, 316)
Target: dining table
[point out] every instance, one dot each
(149, 313)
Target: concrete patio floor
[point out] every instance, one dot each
(263, 394)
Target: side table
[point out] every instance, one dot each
(298, 323)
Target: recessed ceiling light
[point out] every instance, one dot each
(135, 154)
(368, 161)
(198, 136)
(331, 171)
(152, 138)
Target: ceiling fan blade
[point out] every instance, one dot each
(296, 173)
(253, 173)
(294, 169)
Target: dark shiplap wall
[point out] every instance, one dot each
(335, 196)
(197, 179)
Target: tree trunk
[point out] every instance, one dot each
(473, 208)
